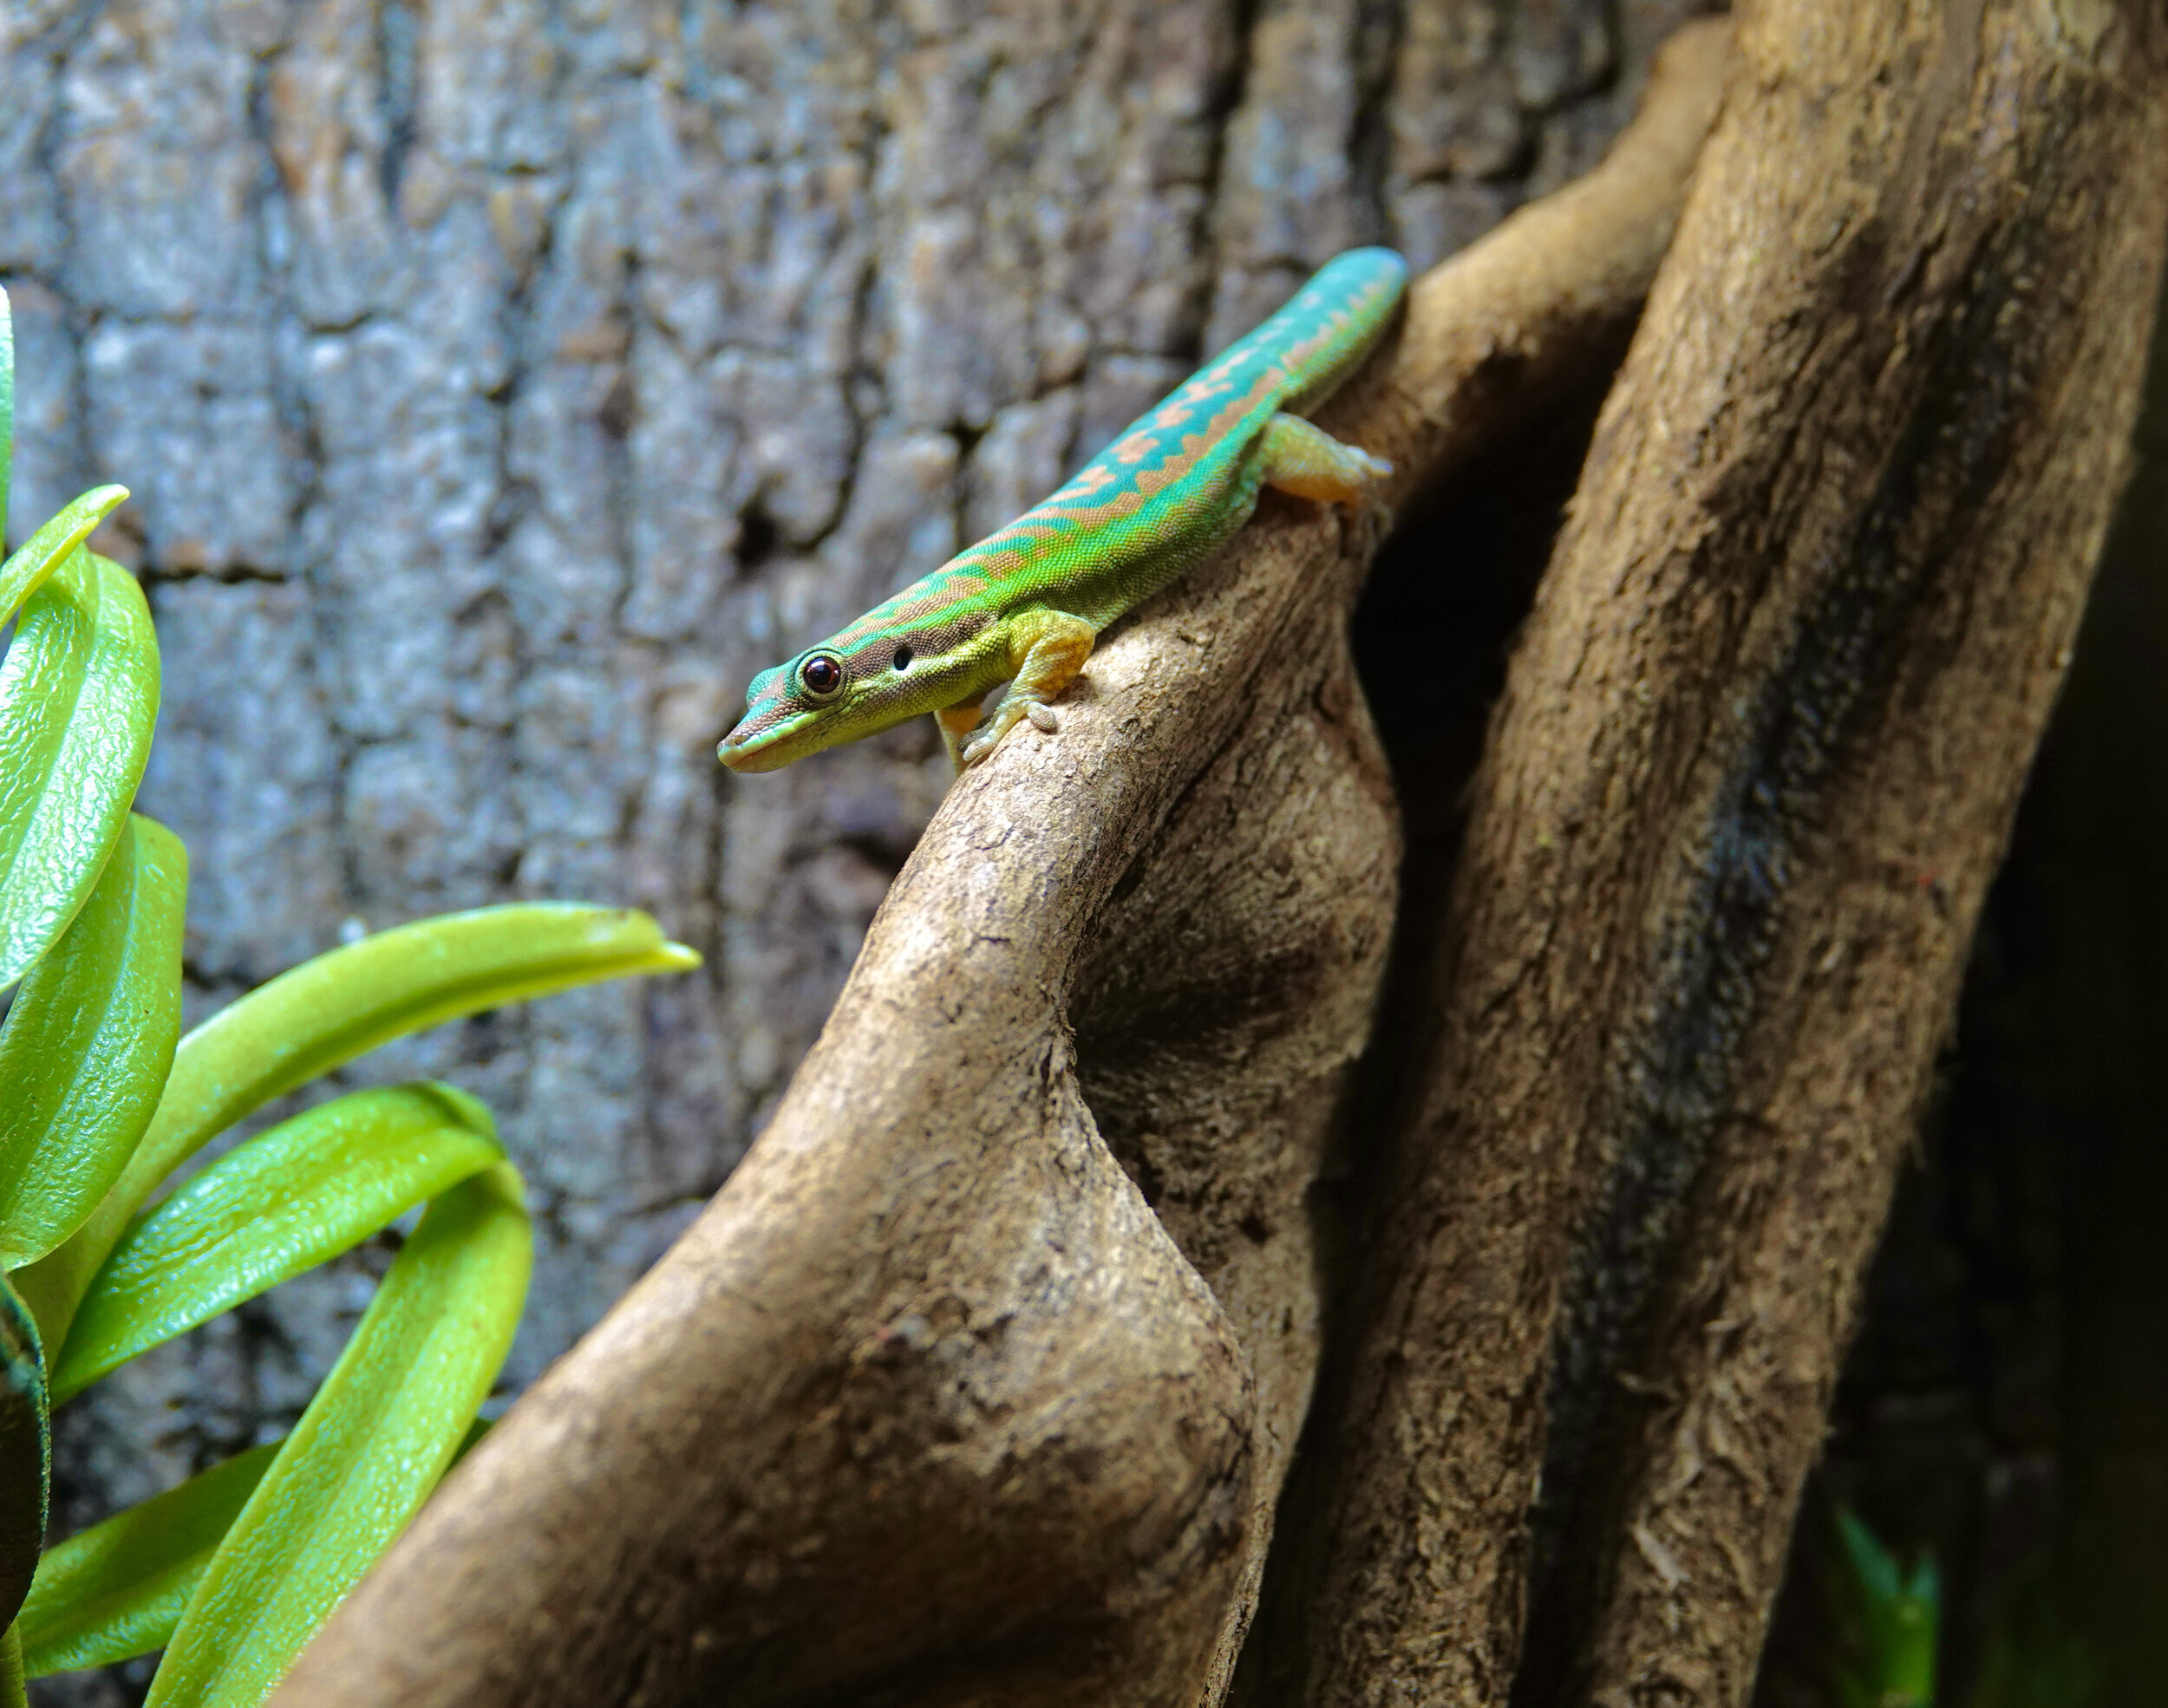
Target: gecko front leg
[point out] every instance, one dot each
(956, 722)
(1046, 650)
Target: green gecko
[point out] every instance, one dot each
(1025, 604)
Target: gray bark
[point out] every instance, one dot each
(501, 384)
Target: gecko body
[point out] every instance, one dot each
(1025, 604)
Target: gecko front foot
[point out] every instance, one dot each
(1046, 650)
(1013, 710)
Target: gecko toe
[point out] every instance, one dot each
(1043, 718)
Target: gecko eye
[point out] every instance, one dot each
(903, 658)
(820, 676)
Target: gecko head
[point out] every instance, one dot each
(822, 697)
(788, 711)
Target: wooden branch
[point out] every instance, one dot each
(1757, 757)
(929, 1405)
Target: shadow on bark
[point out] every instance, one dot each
(979, 1380)
(2006, 1403)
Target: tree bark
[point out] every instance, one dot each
(2001, 1406)
(502, 382)
(1758, 756)
(980, 1380)
(929, 1406)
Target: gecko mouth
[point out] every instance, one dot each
(760, 750)
(765, 741)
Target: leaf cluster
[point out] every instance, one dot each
(1891, 1621)
(102, 1100)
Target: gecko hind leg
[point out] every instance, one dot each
(1046, 651)
(1310, 463)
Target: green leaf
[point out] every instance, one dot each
(78, 696)
(331, 1009)
(1896, 1623)
(26, 1450)
(47, 549)
(12, 1692)
(268, 1211)
(86, 1044)
(116, 1590)
(367, 1452)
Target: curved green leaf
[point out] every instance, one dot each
(366, 1453)
(45, 551)
(282, 1203)
(13, 1694)
(86, 1045)
(26, 1450)
(330, 1010)
(78, 696)
(116, 1590)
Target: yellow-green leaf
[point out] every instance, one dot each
(78, 697)
(366, 1453)
(86, 1044)
(286, 1201)
(12, 1679)
(116, 1590)
(331, 1009)
(45, 551)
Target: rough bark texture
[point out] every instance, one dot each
(929, 1406)
(2003, 1405)
(502, 382)
(1755, 764)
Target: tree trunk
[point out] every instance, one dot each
(980, 1380)
(979, 1417)
(2003, 1404)
(1756, 761)
(502, 382)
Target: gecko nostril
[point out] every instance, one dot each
(903, 658)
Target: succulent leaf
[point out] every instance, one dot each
(373, 1442)
(285, 1201)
